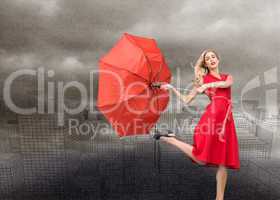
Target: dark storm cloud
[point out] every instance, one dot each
(47, 32)
(99, 23)
(74, 25)
(62, 33)
(94, 25)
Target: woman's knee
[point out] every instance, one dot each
(222, 167)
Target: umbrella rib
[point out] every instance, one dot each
(150, 67)
(157, 75)
(148, 61)
(113, 66)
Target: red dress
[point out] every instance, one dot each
(215, 140)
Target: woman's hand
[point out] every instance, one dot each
(196, 83)
(166, 86)
(201, 57)
(201, 89)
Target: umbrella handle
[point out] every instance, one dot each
(157, 84)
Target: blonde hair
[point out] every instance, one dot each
(200, 67)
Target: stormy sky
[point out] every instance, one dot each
(70, 36)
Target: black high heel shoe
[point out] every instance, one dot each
(166, 133)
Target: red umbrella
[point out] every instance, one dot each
(126, 93)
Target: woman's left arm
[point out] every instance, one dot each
(220, 84)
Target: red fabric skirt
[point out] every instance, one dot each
(207, 147)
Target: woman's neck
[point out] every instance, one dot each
(215, 72)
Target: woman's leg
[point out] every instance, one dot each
(186, 148)
(221, 178)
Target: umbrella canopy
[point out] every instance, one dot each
(126, 95)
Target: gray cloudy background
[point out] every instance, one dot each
(69, 36)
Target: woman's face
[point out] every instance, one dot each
(211, 60)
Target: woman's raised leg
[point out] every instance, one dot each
(186, 148)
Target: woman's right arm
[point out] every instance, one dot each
(186, 98)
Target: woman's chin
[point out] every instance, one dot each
(213, 67)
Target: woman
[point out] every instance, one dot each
(214, 141)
